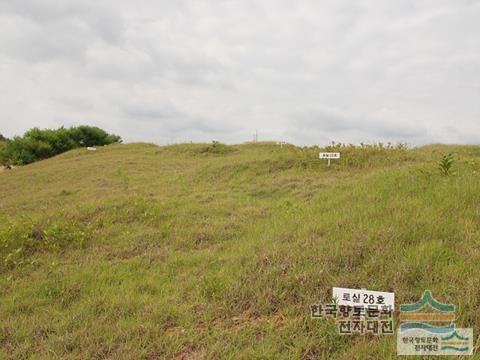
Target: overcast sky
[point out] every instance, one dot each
(307, 72)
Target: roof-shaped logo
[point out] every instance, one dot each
(427, 299)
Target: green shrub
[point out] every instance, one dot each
(37, 144)
(3, 144)
(3, 159)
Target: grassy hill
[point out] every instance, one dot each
(210, 251)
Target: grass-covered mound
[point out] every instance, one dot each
(139, 251)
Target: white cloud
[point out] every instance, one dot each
(308, 72)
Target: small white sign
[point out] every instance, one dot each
(329, 155)
(362, 297)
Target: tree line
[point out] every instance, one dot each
(37, 144)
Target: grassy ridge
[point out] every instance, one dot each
(210, 251)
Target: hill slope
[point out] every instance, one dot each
(204, 251)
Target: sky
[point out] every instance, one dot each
(305, 72)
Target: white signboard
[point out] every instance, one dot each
(362, 297)
(329, 155)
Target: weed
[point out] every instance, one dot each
(212, 287)
(124, 177)
(446, 163)
(21, 237)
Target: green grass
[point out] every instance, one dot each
(207, 251)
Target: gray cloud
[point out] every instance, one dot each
(307, 72)
(381, 124)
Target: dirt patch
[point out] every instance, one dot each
(243, 319)
(6, 168)
(249, 319)
(193, 355)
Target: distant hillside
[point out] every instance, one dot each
(205, 251)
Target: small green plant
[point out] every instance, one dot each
(21, 237)
(125, 179)
(446, 164)
(211, 287)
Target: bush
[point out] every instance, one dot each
(3, 144)
(37, 144)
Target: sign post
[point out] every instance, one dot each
(329, 156)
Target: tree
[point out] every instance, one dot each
(37, 144)
(91, 136)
